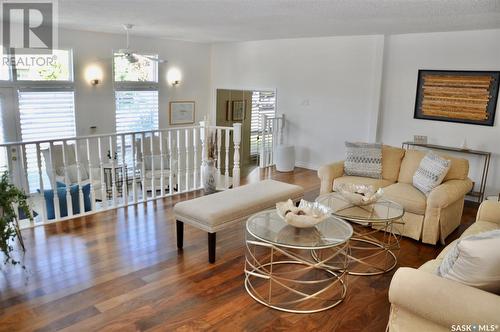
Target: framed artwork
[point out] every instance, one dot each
(238, 110)
(457, 96)
(181, 112)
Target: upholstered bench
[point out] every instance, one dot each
(215, 212)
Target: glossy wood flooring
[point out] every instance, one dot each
(120, 270)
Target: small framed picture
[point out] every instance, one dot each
(181, 112)
(238, 110)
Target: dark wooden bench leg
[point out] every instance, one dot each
(211, 247)
(180, 234)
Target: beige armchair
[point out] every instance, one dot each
(422, 301)
(430, 218)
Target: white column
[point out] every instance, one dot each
(179, 169)
(227, 145)
(188, 170)
(170, 165)
(113, 168)
(124, 172)
(79, 178)
(236, 166)
(104, 194)
(152, 155)
(134, 163)
(162, 166)
(91, 177)
(203, 139)
(262, 147)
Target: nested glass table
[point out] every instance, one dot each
(377, 232)
(300, 270)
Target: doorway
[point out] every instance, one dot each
(246, 107)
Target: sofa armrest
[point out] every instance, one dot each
(489, 211)
(442, 301)
(448, 192)
(328, 173)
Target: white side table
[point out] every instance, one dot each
(285, 158)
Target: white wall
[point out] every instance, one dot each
(95, 105)
(405, 55)
(325, 86)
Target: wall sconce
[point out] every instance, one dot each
(93, 74)
(174, 76)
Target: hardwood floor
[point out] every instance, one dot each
(120, 270)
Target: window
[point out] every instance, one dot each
(4, 67)
(263, 102)
(135, 68)
(44, 115)
(3, 151)
(136, 110)
(41, 67)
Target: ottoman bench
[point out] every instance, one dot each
(215, 212)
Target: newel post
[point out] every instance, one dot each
(236, 159)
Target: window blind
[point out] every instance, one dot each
(44, 115)
(263, 102)
(136, 110)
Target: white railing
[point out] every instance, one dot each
(82, 175)
(271, 136)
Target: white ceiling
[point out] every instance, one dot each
(239, 20)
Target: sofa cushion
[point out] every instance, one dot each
(459, 168)
(391, 162)
(431, 266)
(412, 199)
(346, 179)
(472, 261)
(363, 159)
(430, 173)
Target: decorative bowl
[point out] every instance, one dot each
(359, 194)
(306, 215)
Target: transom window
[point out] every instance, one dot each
(135, 68)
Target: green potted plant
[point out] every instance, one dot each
(11, 198)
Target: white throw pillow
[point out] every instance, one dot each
(73, 173)
(474, 261)
(431, 172)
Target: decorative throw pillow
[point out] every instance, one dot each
(431, 172)
(73, 173)
(474, 261)
(363, 159)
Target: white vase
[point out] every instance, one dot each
(209, 171)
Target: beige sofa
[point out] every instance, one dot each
(423, 301)
(429, 218)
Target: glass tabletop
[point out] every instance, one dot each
(269, 227)
(381, 211)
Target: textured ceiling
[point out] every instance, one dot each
(239, 20)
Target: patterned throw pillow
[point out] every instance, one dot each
(363, 159)
(431, 172)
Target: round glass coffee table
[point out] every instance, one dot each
(377, 232)
(299, 270)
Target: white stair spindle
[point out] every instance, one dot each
(236, 159)
(113, 170)
(53, 184)
(91, 176)
(124, 171)
(104, 194)
(134, 162)
(188, 170)
(227, 145)
(69, 203)
(262, 159)
(195, 159)
(153, 171)
(162, 165)
(179, 169)
(219, 144)
(79, 178)
(40, 180)
(143, 171)
(203, 139)
(170, 165)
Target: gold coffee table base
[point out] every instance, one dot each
(295, 282)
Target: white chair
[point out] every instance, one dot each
(55, 164)
(152, 164)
